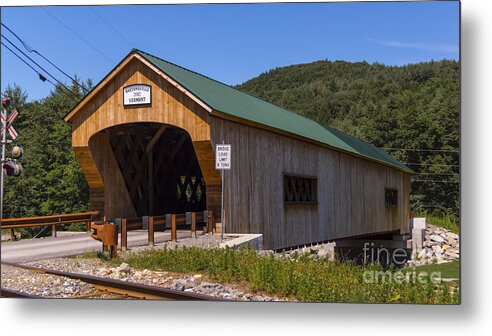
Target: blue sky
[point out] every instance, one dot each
(231, 43)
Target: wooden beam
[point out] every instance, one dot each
(155, 138)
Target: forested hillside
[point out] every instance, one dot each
(411, 111)
(414, 110)
(52, 181)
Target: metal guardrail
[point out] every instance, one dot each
(53, 221)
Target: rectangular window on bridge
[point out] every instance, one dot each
(391, 197)
(300, 189)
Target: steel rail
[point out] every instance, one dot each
(10, 293)
(123, 287)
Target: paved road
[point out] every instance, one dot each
(43, 248)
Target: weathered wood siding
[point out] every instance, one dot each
(351, 199)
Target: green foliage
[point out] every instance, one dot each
(411, 107)
(52, 181)
(447, 270)
(446, 221)
(303, 278)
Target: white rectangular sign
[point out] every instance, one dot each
(137, 94)
(223, 157)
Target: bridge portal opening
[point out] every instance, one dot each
(159, 167)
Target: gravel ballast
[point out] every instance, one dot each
(58, 287)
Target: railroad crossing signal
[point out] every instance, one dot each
(7, 124)
(8, 166)
(12, 168)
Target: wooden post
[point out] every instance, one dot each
(12, 235)
(210, 222)
(124, 237)
(150, 181)
(193, 224)
(112, 251)
(212, 219)
(150, 223)
(173, 227)
(53, 230)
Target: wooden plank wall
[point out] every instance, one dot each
(350, 189)
(169, 106)
(117, 201)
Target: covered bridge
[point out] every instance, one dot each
(145, 139)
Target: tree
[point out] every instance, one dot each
(52, 181)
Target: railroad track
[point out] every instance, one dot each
(111, 288)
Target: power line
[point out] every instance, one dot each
(442, 174)
(41, 77)
(80, 37)
(31, 50)
(422, 150)
(39, 66)
(430, 164)
(436, 181)
(111, 26)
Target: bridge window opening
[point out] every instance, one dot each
(300, 189)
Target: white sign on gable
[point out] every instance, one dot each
(223, 157)
(137, 94)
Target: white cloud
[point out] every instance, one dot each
(439, 47)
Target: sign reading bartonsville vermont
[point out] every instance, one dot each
(137, 94)
(223, 157)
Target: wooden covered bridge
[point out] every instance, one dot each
(145, 139)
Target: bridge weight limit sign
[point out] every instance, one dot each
(223, 157)
(222, 162)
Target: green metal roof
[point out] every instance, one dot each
(228, 100)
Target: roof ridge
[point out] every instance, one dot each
(344, 141)
(226, 85)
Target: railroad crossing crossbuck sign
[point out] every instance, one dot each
(8, 124)
(223, 157)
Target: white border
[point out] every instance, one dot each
(55, 317)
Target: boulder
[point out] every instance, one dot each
(452, 242)
(322, 253)
(422, 254)
(123, 268)
(452, 235)
(436, 238)
(306, 250)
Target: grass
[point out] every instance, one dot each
(447, 270)
(447, 222)
(303, 279)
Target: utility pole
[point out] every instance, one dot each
(8, 166)
(5, 105)
(222, 162)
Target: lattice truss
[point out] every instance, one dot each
(299, 189)
(160, 168)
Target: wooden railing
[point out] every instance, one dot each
(161, 223)
(53, 221)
